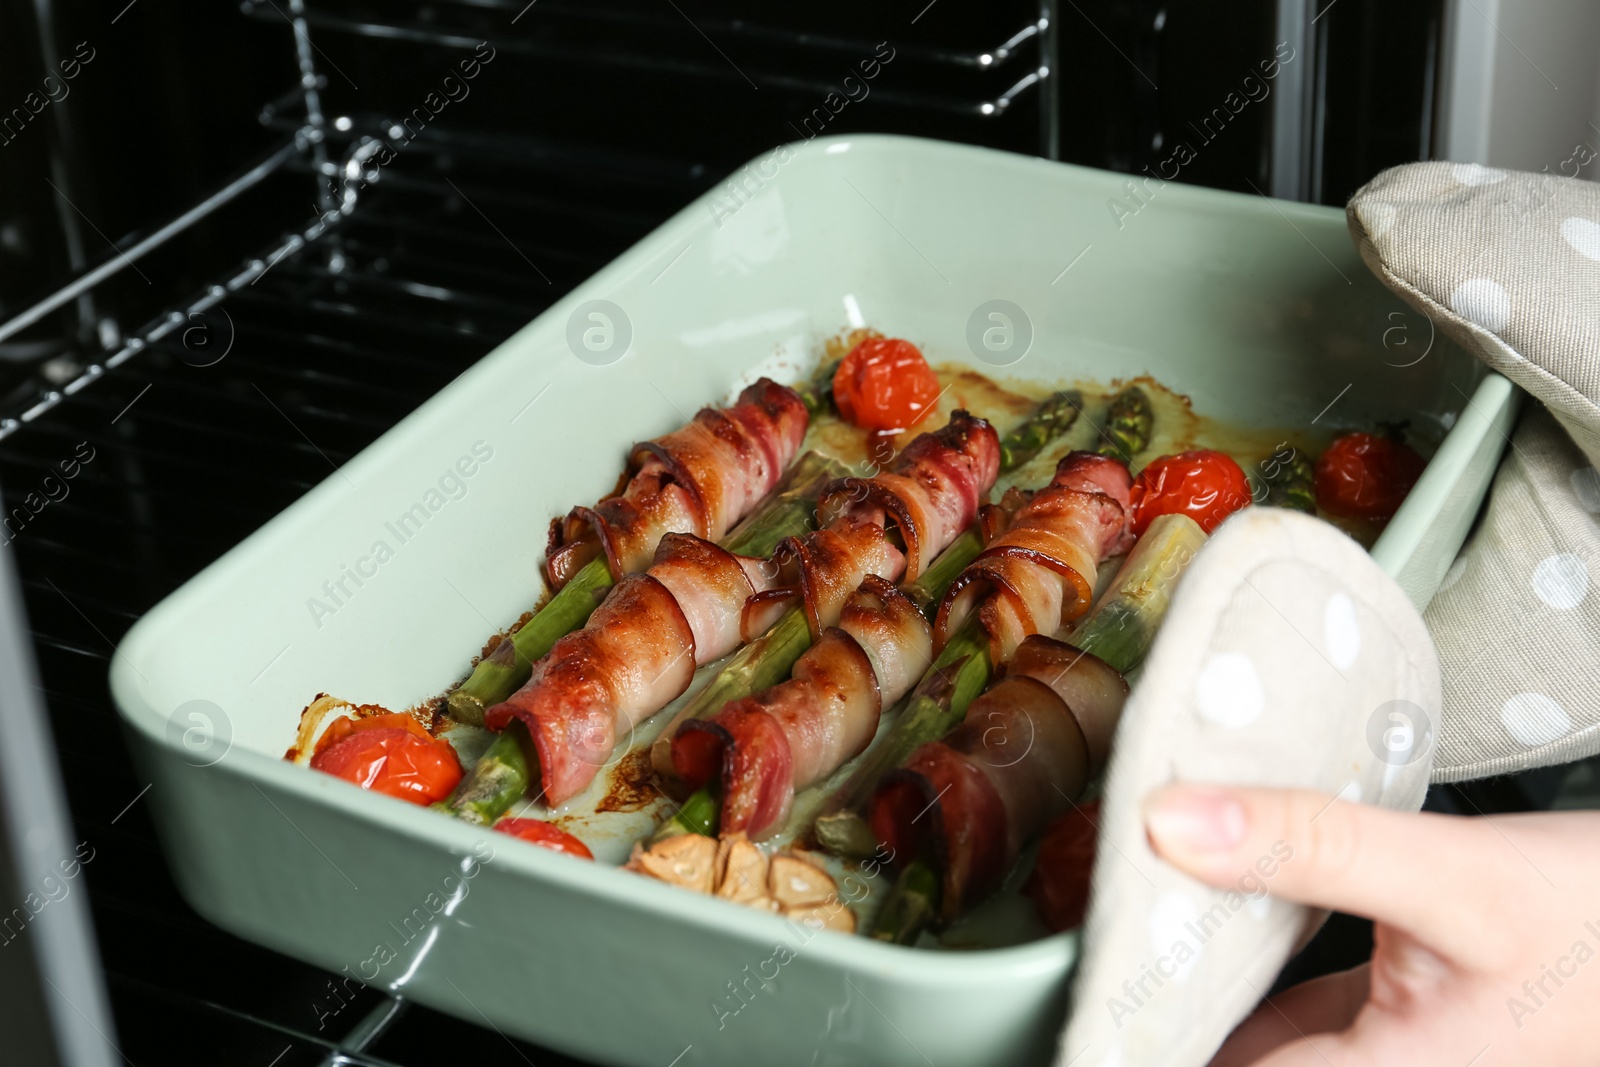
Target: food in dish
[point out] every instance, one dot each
(916, 662)
(1367, 476)
(640, 649)
(764, 747)
(1037, 571)
(1027, 748)
(390, 754)
(1205, 485)
(1059, 884)
(700, 480)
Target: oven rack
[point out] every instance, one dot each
(426, 28)
(163, 325)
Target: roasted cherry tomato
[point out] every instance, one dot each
(1207, 486)
(1364, 476)
(389, 754)
(542, 833)
(884, 384)
(1059, 884)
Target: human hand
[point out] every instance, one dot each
(1485, 927)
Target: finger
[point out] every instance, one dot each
(1321, 1006)
(1399, 868)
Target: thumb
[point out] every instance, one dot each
(1307, 847)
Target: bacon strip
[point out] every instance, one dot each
(1038, 573)
(700, 479)
(1028, 746)
(769, 745)
(637, 654)
(931, 494)
(710, 585)
(824, 568)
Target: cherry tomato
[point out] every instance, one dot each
(539, 832)
(1205, 485)
(345, 725)
(1059, 884)
(389, 754)
(884, 384)
(1363, 476)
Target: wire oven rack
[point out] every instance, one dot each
(228, 404)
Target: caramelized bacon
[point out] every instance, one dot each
(710, 585)
(637, 654)
(824, 568)
(767, 746)
(1038, 571)
(1027, 747)
(700, 479)
(932, 492)
(1092, 688)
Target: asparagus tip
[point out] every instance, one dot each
(465, 708)
(846, 834)
(911, 907)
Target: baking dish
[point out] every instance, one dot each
(1258, 310)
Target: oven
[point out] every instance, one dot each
(240, 242)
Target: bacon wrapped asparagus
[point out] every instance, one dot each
(966, 805)
(966, 854)
(1037, 573)
(945, 475)
(640, 648)
(637, 653)
(700, 479)
(766, 746)
(1070, 522)
(930, 495)
(1039, 570)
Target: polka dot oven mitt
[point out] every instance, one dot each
(1288, 659)
(1508, 265)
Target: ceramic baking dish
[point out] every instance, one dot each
(1259, 310)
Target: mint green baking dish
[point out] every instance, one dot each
(1259, 310)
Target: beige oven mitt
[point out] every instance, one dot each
(1508, 265)
(1288, 658)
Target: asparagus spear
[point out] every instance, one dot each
(766, 661)
(1052, 419)
(700, 814)
(1121, 627)
(912, 904)
(817, 394)
(499, 674)
(1292, 484)
(502, 775)
(497, 780)
(930, 586)
(1129, 420)
(936, 706)
(783, 513)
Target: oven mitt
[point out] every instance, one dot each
(1288, 659)
(1508, 265)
